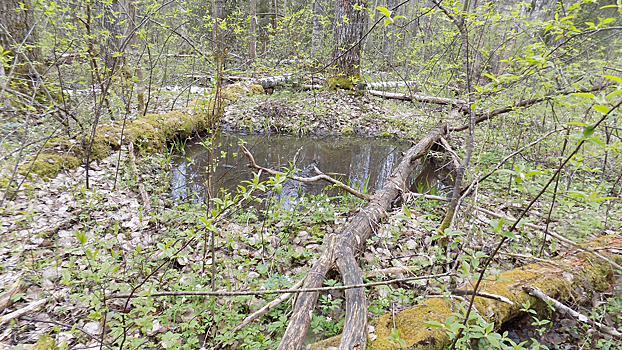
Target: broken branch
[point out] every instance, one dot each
(561, 308)
(319, 177)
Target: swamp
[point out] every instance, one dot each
(310, 174)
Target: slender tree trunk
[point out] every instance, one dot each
(316, 39)
(218, 11)
(252, 40)
(275, 6)
(109, 17)
(350, 23)
(5, 101)
(388, 34)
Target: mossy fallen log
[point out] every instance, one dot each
(148, 134)
(557, 279)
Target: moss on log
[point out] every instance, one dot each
(148, 134)
(557, 279)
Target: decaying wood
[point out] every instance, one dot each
(316, 178)
(340, 250)
(392, 84)
(454, 156)
(141, 187)
(274, 81)
(563, 309)
(5, 299)
(34, 306)
(571, 270)
(419, 98)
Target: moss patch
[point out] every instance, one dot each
(339, 82)
(347, 131)
(234, 92)
(47, 166)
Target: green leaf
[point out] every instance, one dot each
(434, 324)
(589, 131)
(615, 93)
(614, 78)
(584, 94)
(509, 234)
(497, 224)
(602, 109)
(262, 269)
(577, 123)
(385, 11)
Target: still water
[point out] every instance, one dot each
(362, 162)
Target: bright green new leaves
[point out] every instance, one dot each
(593, 198)
(388, 20)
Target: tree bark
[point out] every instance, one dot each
(420, 98)
(340, 251)
(19, 36)
(387, 44)
(316, 39)
(252, 39)
(350, 23)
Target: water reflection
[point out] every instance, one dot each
(362, 162)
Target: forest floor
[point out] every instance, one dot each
(77, 247)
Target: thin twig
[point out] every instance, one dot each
(273, 291)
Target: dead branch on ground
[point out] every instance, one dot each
(316, 178)
(563, 309)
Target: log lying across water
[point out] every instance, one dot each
(340, 250)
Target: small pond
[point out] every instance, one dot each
(362, 162)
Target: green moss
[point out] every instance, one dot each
(553, 279)
(235, 91)
(385, 134)
(149, 133)
(347, 130)
(45, 342)
(47, 166)
(340, 82)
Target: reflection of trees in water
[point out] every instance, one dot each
(360, 160)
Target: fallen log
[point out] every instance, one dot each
(340, 250)
(570, 270)
(420, 98)
(392, 84)
(272, 82)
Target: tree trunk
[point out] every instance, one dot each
(109, 16)
(350, 24)
(18, 35)
(316, 39)
(340, 250)
(387, 43)
(252, 39)
(218, 11)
